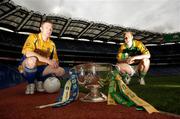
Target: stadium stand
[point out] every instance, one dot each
(75, 52)
(9, 76)
(165, 57)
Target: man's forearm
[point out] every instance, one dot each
(39, 57)
(139, 57)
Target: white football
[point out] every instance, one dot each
(52, 85)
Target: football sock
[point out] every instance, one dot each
(142, 74)
(30, 74)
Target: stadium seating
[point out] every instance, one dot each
(73, 52)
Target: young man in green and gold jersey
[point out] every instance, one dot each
(133, 57)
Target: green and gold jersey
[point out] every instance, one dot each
(137, 48)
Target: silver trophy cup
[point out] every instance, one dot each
(92, 76)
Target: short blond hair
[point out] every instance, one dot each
(126, 32)
(46, 21)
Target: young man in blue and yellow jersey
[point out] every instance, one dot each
(133, 57)
(40, 58)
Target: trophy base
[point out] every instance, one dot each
(95, 95)
(89, 98)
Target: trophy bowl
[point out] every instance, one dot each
(92, 76)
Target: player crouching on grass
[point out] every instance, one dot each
(40, 59)
(133, 58)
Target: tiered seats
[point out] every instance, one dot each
(75, 52)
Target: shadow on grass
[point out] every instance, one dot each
(163, 92)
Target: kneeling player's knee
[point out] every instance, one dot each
(31, 62)
(146, 61)
(61, 71)
(123, 68)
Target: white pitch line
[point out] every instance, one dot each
(170, 86)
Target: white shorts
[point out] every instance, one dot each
(133, 69)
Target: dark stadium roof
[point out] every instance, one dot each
(19, 19)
